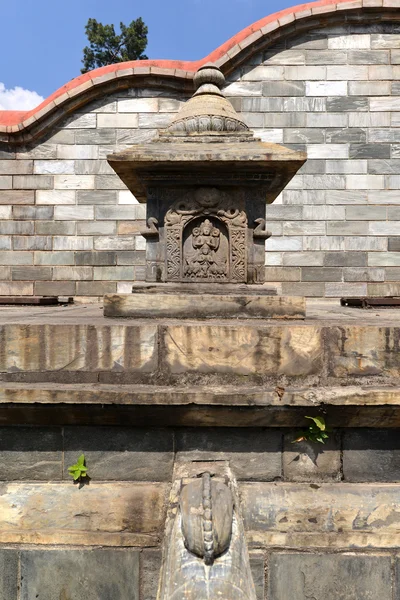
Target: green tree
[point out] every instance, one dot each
(107, 48)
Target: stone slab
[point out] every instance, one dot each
(103, 514)
(208, 306)
(371, 455)
(8, 574)
(305, 461)
(191, 406)
(304, 576)
(80, 574)
(321, 515)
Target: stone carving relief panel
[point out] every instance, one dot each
(206, 238)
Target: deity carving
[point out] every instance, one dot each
(206, 261)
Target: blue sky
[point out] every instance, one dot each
(42, 40)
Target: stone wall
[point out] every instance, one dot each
(69, 226)
(303, 506)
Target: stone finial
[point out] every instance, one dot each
(208, 110)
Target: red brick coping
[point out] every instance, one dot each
(25, 126)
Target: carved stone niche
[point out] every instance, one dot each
(206, 238)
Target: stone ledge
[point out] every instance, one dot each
(222, 406)
(203, 306)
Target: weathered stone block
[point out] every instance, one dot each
(55, 228)
(37, 242)
(96, 228)
(242, 350)
(32, 182)
(32, 213)
(8, 574)
(54, 258)
(345, 259)
(80, 574)
(346, 104)
(256, 458)
(121, 453)
(325, 88)
(54, 288)
(305, 461)
(96, 197)
(329, 576)
(283, 88)
(95, 258)
(371, 455)
(31, 273)
(28, 453)
(321, 274)
(150, 567)
(95, 288)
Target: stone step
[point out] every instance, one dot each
(189, 406)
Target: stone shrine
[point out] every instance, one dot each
(206, 180)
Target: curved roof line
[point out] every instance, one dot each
(24, 126)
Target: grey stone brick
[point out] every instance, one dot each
(7, 154)
(365, 243)
(282, 274)
(347, 228)
(304, 104)
(346, 259)
(17, 197)
(381, 40)
(64, 136)
(391, 274)
(16, 167)
(314, 166)
(95, 258)
(305, 461)
(5, 182)
(284, 57)
(79, 152)
(337, 290)
(325, 182)
(8, 574)
(368, 57)
(325, 57)
(30, 453)
(80, 121)
(94, 137)
(382, 166)
(262, 104)
(343, 136)
(244, 88)
(253, 119)
(394, 244)
(321, 274)
(304, 228)
(303, 135)
(54, 288)
(32, 213)
(133, 136)
(127, 212)
(54, 167)
(384, 135)
(386, 103)
(96, 197)
(120, 453)
(74, 182)
(369, 88)
(324, 213)
(349, 42)
(371, 455)
(37, 242)
(31, 273)
(55, 228)
(308, 72)
(16, 258)
(257, 566)
(326, 88)
(346, 166)
(54, 258)
(16, 227)
(117, 120)
(309, 42)
(284, 244)
(345, 104)
(108, 182)
(33, 182)
(256, 458)
(5, 273)
(55, 197)
(384, 259)
(365, 182)
(95, 288)
(169, 105)
(92, 167)
(73, 243)
(284, 119)
(349, 72)
(331, 576)
(384, 228)
(5, 242)
(114, 273)
(140, 273)
(16, 288)
(150, 567)
(303, 259)
(326, 119)
(136, 257)
(283, 88)
(73, 213)
(113, 243)
(307, 289)
(366, 213)
(363, 274)
(154, 120)
(280, 211)
(72, 273)
(46, 574)
(369, 151)
(97, 228)
(369, 119)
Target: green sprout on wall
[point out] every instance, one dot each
(79, 470)
(316, 432)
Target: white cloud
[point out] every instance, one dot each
(18, 99)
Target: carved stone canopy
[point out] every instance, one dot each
(206, 180)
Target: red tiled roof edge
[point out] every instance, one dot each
(12, 122)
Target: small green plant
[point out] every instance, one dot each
(78, 471)
(316, 432)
